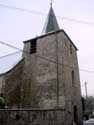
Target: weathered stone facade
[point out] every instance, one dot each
(2, 83)
(47, 78)
(46, 82)
(12, 82)
(54, 73)
(32, 117)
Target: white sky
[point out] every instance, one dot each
(17, 26)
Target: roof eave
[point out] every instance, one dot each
(49, 33)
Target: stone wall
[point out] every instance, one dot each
(43, 71)
(13, 83)
(32, 117)
(50, 70)
(2, 83)
(67, 55)
(44, 79)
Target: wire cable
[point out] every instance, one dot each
(45, 58)
(9, 45)
(10, 54)
(44, 14)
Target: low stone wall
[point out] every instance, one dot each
(32, 117)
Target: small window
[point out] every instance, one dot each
(73, 77)
(70, 48)
(33, 46)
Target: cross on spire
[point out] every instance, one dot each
(51, 23)
(51, 2)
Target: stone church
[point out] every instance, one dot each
(47, 77)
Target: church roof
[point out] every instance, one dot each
(51, 23)
(18, 63)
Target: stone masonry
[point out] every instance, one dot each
(54, 75)
(47, 79)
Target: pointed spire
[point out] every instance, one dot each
(51, 21)
(51, 3)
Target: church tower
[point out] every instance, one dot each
(51, 69)
(47, 80)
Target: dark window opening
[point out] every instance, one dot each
(75, 115)
(33, 46)
(70, 48)
(73, 77)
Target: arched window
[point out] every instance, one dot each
(75, 115)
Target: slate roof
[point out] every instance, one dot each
(18, 63)
(51, 23)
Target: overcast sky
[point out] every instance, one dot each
(17, 25)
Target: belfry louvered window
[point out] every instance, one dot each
(33, 46)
